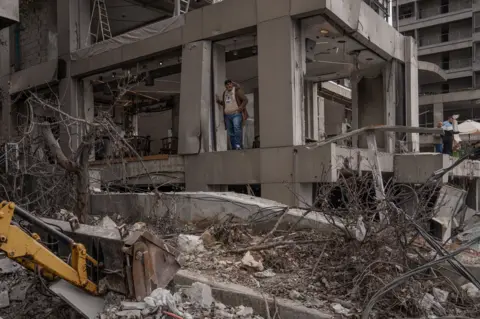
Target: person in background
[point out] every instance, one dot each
(448, 136)
(234, 104)
(438, 140)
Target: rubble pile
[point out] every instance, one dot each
(22, 295)
(188, 303)
(338, 272)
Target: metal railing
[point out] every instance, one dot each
(444, 37)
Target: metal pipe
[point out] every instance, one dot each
(44, 226)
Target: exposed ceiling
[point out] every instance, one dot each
(334, 54)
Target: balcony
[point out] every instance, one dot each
(9, 13)
(444, 42)
(433, 16)
(458, 68)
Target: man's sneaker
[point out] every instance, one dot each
(238, 147)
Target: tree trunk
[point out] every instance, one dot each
(82, 205)
(80, 170)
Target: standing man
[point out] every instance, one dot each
(234, 104)
(448, 137)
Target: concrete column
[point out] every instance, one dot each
(219, 76)
(311, 110)
(196, 125)
(336, 116)
(72, 23)
(437, 113)
(321, 118)
(88, 108)
(390, 100)
(411, 92)
(369, 108)
(281, 67)
(73, 20)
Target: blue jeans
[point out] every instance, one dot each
(439, 148)
(234, 129)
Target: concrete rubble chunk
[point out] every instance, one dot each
(243, 311)
(294, 295)
(107, 223)
(339, 309)
(129, 314)
(7, 266)
(19, 292)
(200, 293)
(127, 305)
(4, 299)
(471, 290)
(264, 274)
(440, 295)
(207, 238)
(250, 262)
(429, 303)
(190, 244)
(139, 226)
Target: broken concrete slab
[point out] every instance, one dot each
(19, 292)
(237, 295)
(200, 293)
(200, 206)
(130, 305)
(4, 299)
(7, 266)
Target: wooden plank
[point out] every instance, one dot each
(158, 157)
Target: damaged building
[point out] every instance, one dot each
(125, 91)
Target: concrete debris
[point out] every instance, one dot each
(107, 223)
(139, 226)
(360, 230)
(250, 262)
(129, 314)
(295, 295)
(127, 305)
(7, 266)
(440, 295)
(471, 290)
(244, 311)
(4, 299)
(339, 309)
(264, 274)
(200, 293)
(190, 244)
(207, 238)
(19, 292)
(429, 303)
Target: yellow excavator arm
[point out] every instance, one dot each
(27, 249)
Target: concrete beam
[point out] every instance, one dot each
(213, 22)
(36, 76)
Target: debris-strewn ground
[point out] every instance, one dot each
(23, 295)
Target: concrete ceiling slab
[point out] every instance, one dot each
(9, 13)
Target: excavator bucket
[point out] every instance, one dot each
(133, 264)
